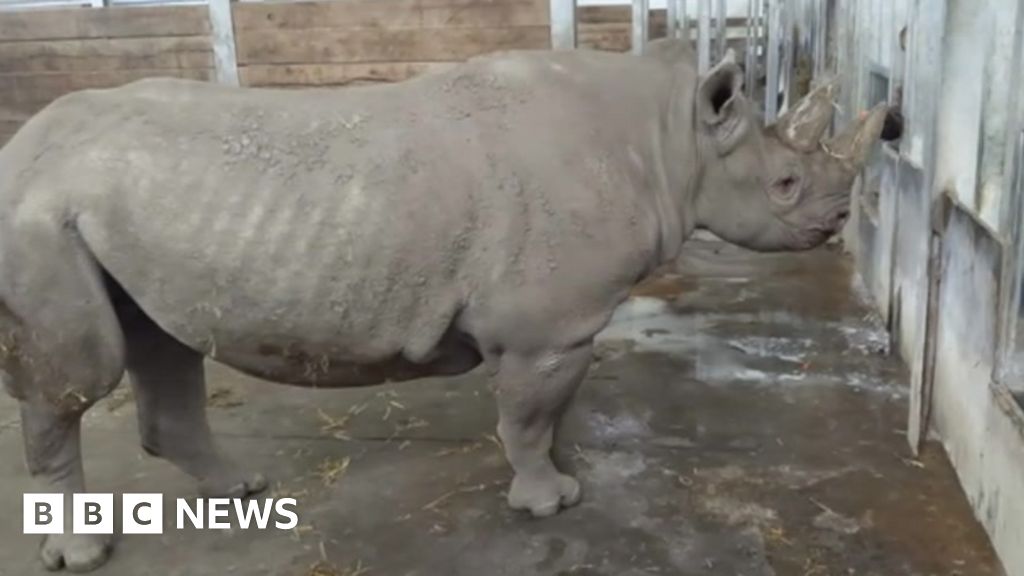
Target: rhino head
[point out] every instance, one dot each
(782, 187)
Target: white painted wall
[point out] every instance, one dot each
(959, 100)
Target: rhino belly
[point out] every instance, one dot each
(454, 355)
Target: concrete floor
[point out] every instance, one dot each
(741, 419)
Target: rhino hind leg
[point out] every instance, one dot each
(53, 453)
(533, 392)
(170, 391)
(62, 351)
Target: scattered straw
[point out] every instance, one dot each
(331, 469)
(914, 463)
(466, 449)
(494, 440)
(409, 424)
(336, 427)
(280, 491)
(298, 531)
(223, 398)
(325, 568)
(433, 505)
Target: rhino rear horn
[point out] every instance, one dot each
(803, 125)
(853, 145)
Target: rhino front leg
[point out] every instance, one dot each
(533, 391)
(53, 453)
(170, 391)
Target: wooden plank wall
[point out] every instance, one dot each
(47, 53)
(609, 28)
(339, 42)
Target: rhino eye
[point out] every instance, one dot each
(785, 190)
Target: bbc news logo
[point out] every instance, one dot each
(144, 513)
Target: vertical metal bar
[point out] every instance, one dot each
(684, 20)
(703, 35)
(820, 39)
(786, 67)
(671, 19)
(563, 24)
(721, 28)
(771, 89)
(749, 50)
(641, 13)
(223, 40)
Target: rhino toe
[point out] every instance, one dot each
(544, 497)
(76, 552)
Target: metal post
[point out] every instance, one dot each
(223, 40)
(821, 41)
(640, 17)
(563, 24)
(721, 28)
(672, 19)
(749, 50)
(787, 66)
(703, 36)
(772, 45)
(684, 21)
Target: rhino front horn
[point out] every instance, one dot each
(853, 145)
(803, 125)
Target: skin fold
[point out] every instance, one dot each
(493, 214)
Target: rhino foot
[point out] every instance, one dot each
(229, 486)
(76, 552)
(544, 496)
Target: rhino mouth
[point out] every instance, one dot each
(816, 235)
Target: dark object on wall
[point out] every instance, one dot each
(893, 127)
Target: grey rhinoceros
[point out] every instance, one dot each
(493, 214)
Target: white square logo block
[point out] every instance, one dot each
(92, 514)
(43, 513)
(142, 514)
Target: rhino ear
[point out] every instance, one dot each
(721, 107)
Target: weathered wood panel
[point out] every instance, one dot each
(322, 45)
(106, 54)
(17, 90)
(45, 54)
(608, 27)
(340, 42)
(296, 75)
(119, 22)
(389, 14)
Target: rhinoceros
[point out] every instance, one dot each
(494, 214)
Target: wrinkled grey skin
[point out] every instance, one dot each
(493, 214)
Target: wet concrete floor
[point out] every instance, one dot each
(742, 418)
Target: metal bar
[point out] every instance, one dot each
(563, 24)
(703, 36)
(223, 40)
(684, 21)
(641, 13)
(787, 24)
(820, 39)
(721, 42)
(771, 89)
(671, 19)
(748, 50)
